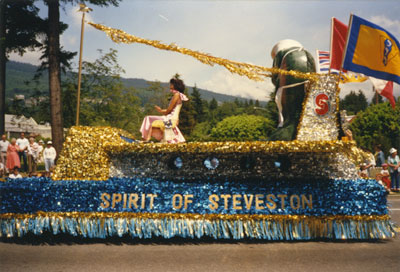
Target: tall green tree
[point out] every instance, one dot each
(272, 109)
(53, 37)
(187, 120)
(237, 102)
(226, 109)
(354, 102)
(20, 30)
(378, 124)
(213, 104)
(2, 66)
(198, 104)
(105, 101)
(158, 95)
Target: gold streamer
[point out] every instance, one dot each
(251, 71)
(193, 216)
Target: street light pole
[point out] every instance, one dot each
(83, 8)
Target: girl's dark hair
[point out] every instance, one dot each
(178, 84)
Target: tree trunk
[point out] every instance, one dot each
(54, 74)
(2, 65)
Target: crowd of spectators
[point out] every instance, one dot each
(385, 171)
(24, 155)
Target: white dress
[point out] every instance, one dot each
(169, 125)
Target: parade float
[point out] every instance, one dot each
(301, 185)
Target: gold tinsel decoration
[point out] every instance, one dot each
(251, 71)
(233, 147)
(145, 215)
(85, 154)
(278, 226)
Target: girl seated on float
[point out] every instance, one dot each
(165, 128)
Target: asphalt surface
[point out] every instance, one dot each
(67, 254)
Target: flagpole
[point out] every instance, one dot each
(330, 49)
(345, 48)
(84, 9)
(347, 41)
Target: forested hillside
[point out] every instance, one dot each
(109, 100)
(20, 81)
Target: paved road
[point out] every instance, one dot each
(61, 255)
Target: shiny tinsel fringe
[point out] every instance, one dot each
(168, 227)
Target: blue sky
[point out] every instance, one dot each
(237, 30)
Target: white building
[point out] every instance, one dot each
(14, 125)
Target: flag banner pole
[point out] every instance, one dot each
(345, 48)
(347, 41)
(330, 43)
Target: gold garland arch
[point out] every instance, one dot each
(251, 71)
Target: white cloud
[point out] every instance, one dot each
(31, 57)
(226, 83)
(389, 24)
(68, 40)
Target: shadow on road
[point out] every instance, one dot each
(65, 239)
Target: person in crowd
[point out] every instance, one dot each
(33, 155)
(49, 156)
(32, 174)
(2, 169)
(349, 134)
(379, 155)
(23, 144)
(369, 162)
(394, 163)
(12, 155)
(165, 127)
(3, 149)
(52, 169)
(363, 173)
(15, 174)
(40, 151)
(384, 176)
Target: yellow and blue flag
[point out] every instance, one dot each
(372, 50)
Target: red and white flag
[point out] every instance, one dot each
(323, 61)
(338, 43)
(385, 89)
